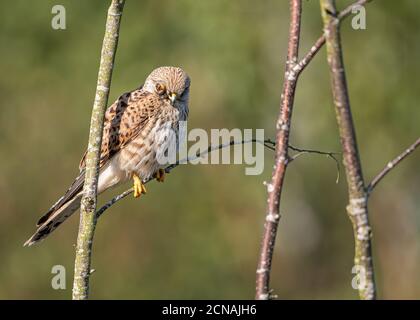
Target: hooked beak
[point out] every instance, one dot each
(172, 96)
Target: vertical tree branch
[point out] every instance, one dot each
(88, 202)
(358, 196)
(274, 188)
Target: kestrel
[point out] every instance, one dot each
(138, 128)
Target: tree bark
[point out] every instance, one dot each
(274, 188)
(88, 203)
(357, 208)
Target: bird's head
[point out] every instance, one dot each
(170, 83)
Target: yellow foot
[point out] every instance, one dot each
(138, 186)
(160, 175)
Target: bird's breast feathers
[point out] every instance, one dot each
(140, 136)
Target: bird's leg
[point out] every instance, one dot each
(160, 175)
(138, 186)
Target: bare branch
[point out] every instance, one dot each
(293, 70)
(88, 203)
(326, 153)
(321, 40)
(347, 11)
(357, 208)
(268, 143)
(331, 155)
(274, 188)
(391, 165)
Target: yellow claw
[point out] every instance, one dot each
(138, 186)
(160, 175)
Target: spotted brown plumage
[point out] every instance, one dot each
(139, 128)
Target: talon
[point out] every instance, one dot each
(160, 175)
(138, 186)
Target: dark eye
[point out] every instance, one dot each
(160, 88)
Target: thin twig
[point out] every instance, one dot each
(331, 155)
(391, 165)
(114, 200)
(347, 11)
(326, 153)
(358, 207)
(88, 203)
(268, 143)
(321, 40)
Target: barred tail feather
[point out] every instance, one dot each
(55, 219)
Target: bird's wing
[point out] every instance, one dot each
(132, 113)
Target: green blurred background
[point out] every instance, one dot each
(198, 235)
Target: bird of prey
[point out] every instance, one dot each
(138, 128)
